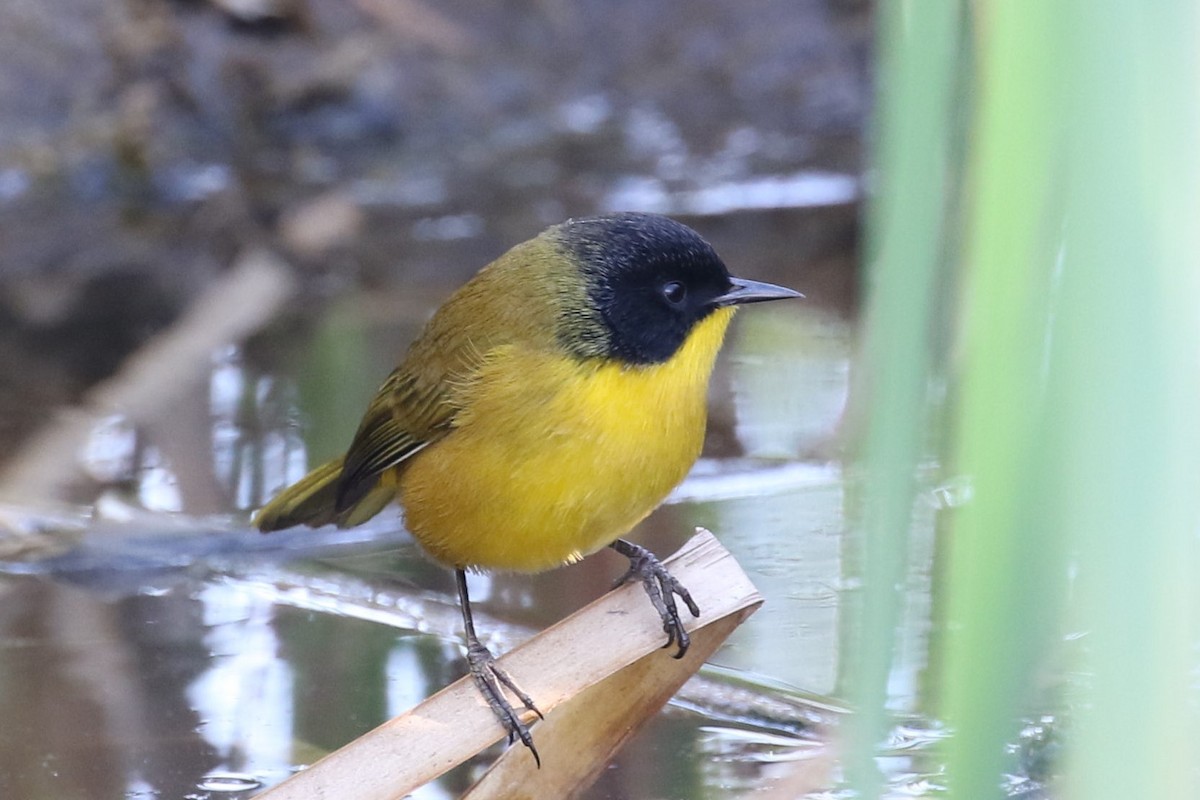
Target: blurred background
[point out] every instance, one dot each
(962, 472)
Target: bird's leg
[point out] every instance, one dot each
(662, 587)
(492, 680)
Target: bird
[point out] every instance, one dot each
(548, 406)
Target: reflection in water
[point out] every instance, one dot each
(252, 423)
(93, 693)
(801, 190)
(244, 697)
(252, 465)
(799, 569)
(790, 379)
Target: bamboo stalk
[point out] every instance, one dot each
(578, 740)
(565, 666)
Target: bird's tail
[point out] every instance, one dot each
(312, 501)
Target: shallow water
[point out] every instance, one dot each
(206, 662)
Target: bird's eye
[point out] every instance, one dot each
(674, 292)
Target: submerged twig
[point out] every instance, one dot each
(150, 380)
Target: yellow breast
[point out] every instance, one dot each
(553, 459)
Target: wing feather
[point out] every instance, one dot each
(401, 421)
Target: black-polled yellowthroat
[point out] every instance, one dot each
(550, 405)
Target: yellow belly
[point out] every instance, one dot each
(553, 461)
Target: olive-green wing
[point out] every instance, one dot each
(402, 420)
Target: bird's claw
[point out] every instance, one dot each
(661, 587)
(492, 681)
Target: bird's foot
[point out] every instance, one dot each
(492, 681)
(661, 587)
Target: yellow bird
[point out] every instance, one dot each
(550, 404)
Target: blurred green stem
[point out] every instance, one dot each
(918, 64)
(1077, 421)
(1003, 587)
(1127, 394)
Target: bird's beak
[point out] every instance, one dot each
(744, 291)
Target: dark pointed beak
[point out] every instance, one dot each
(744, 291)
